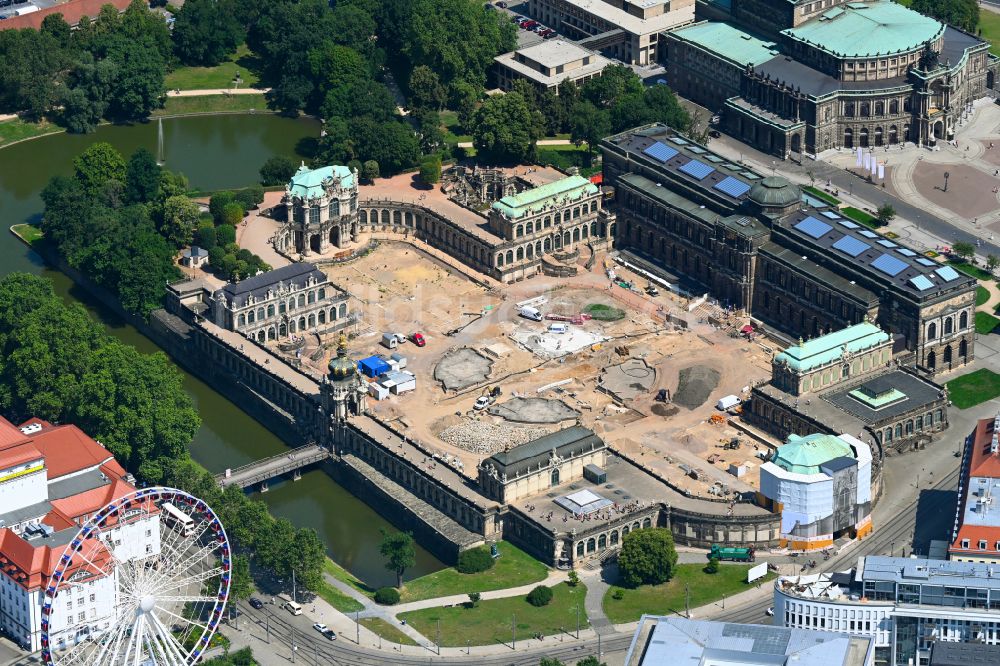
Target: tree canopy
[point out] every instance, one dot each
(399, 553)
(206, 32)
(963, 14)
(506, 128)
(647, 557)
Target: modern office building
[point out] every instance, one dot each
(822, 486)
(626, 30)
(976, 535)
(52, 478)
(905, 605)
(807, 76)
(759, 245)
(548, 64)
(663, 640)
(291, 300)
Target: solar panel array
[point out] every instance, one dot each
(847, 224)
(661, 152)
(921, 282)
(813, 228)
(923, 261)
(889, 265)
(868, 234)
(947, 273)
(732, 187)
(851, 246)
(696, 169)
(886, 243)
(906, 252)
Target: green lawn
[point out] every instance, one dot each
(17, 129)
(343, 575)
(668, 598)
(982, 295)
(386, 631)
(985, 323)
(490, 622)
(220, 76)
(989, 23)
(976, 387)
(211, 104)
(969, 269)
(28, 233)
(338, 599)
(566, 156)
(820, 194)
(513, 568)
(452, 130)
(860, 217)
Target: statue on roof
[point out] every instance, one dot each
(929, 58)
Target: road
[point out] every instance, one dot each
(313, 649)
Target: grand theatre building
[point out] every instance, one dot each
(811, 75)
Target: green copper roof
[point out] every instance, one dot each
(569, 188)
(804, 455)
(828, 348)
(860, 29)
(309, 182)
(729, 42)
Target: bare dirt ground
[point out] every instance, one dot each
(400, 288)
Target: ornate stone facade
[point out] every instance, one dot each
(319, 209)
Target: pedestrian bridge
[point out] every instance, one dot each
(262, 471)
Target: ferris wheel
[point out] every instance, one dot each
(152, 572)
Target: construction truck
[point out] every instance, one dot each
(732, 554)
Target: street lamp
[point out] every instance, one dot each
(946, 177)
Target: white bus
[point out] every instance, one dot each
(177, 519)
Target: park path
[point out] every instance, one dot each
(554, 578)
(994, 289)
(540, 142)
(217, 91)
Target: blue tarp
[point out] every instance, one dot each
(373, 366)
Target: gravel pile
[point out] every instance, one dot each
(486, 438)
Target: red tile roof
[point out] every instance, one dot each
(986, 464)
(86, 503)
(72, 12)
(67, 449)
(9, 433)
(18, 454)
(31, 566)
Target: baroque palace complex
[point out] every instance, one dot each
(812, 75)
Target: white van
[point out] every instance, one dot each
(293, 608)
(530, 313)
(558, 328)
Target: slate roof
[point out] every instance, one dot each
(568, 443)
(293, 274)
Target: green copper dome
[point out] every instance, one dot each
(341, 366)
(775, 191)
(804, 455)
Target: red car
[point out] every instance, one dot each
(528, 25)
(418, 339)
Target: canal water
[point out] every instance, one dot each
(214, 152)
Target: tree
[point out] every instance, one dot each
(206, 32)
(399, 553)
(180, 218)
(370, 170)
(992, 262)
(242, 585)
(474, 598)
(588, 124)
(713, 566)
(539, 596)
(56, 26)
(277, 170)
(429, 124)
(506, 128)
(426, 91)
(142, 177)
(137, 86)
(98, 164)
(885, 214)
(232, 214)
(250, 197)
(590, 661)
(217, 204)
(614, 83)
(551, 661)
(572, 578)
(964, 250)
(647, 557)
(430, 169)
(225, 234)
(960, 13)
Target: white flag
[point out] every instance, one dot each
(867, 161)
(857, 157)
(881, 171)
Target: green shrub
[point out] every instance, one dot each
(224, 235)
(602, 312)
(387, 596)
(618, 594)
(572, 578)
(205, 235)
(540, 596)
(475, 560)
(250, 197)
(713, 566)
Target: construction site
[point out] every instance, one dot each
(641, 366)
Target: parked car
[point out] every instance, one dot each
(550, 35)
(256, 603)
(418, 339)
(502, 5)
(529, 24)
(330, 634)
(482, 402)
(319, 626)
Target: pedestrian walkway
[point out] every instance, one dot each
(554, 578)
(217, 91)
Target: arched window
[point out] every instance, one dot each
(311, 297)
(899, 430)
(602, 542)
(499, 260)
(647, 523)
(947, 354)
(510, 256)
(948, 324)
(250, 317)
(963, 321)
(529, 228)
(270, 310)
(302, 300)
(322, 316)
(894, 107)
(865, 109)
(322, 293)
(343, 310)
(931, 331)
(333, 314)
(614, 538)
(312, 321)
(520, 253)
(848, 138)
(241, 321)
(879, 108)
(579, 549)
(260, 314)
(963, 349)
(591, 545)
(519, 231)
